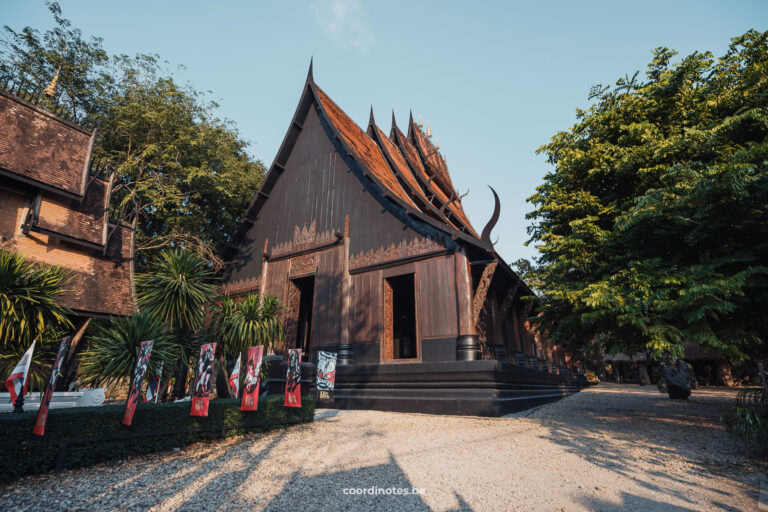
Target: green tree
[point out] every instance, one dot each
(652, 227)
(176, 293)
(183, 172)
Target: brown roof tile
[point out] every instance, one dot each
(84, 220)
(412, 157)
(41, 147)
(366, 150)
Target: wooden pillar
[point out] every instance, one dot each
(467, 344)
(344, 355)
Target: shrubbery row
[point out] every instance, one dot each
(90, 435)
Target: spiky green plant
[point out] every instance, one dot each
(114, 349)
(748, 420)
(176, 290)
(254, 320)
(28, 306)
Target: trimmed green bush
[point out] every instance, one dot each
(82, 436)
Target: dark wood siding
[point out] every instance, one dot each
(437, 297)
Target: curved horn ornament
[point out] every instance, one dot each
(486, 235)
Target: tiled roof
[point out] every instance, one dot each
(85, 220)
(396, 158)
(40, 147)
(364, 147)
(413, 158)
(438, 167)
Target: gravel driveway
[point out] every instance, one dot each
(611, 447)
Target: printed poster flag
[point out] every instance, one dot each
(326, 374)
(202, 385)
(42, 413)
(17, 381)
(138, 375)
(234, 379)
(153, 388)
(251, 383)
(293, 379)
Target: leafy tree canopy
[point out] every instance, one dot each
(183, 171)
(653, 226)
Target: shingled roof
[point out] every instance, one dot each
(393, 165)
(42, 149)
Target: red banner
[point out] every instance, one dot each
(202, 387)
(138, 375)
(250, 400)
(293, 379)
(42, 413)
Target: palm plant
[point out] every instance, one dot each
(253, 320)
(114, 349)
(29, 311)
(176, 292)
(28, 306)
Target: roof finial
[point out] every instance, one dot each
(393, 118)
(51, 89)
(370, 118)
(429, 132)
(310, 77)
(437, 143)
(421, 122)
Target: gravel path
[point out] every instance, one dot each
(611, 447)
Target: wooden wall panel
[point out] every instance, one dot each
(366, 308)
(437, 298)
(326, 313)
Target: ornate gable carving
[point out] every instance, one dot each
(417, 246)
(303, 238)
(240, 286)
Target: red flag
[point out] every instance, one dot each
(17, 381)
(250, 401)
(293, 379)
(134, 394)
(202, 385)
(42, 413)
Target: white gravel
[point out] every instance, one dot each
(611, 447)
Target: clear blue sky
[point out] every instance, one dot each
(495, 80)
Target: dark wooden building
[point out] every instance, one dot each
(363, 237)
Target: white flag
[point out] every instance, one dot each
(17, 382)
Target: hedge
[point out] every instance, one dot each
(82, 436)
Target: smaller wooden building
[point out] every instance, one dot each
(364, 238)
(54, 208)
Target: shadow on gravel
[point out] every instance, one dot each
(656, 441)
(632, 502)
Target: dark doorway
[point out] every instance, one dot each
(401, 316)
(306, 287)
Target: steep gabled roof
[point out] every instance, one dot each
(363, 146)
(403, 172)
(363, 154)
(42, 149)
(435, 165)
(413, 158)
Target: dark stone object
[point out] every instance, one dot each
(677, 381)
